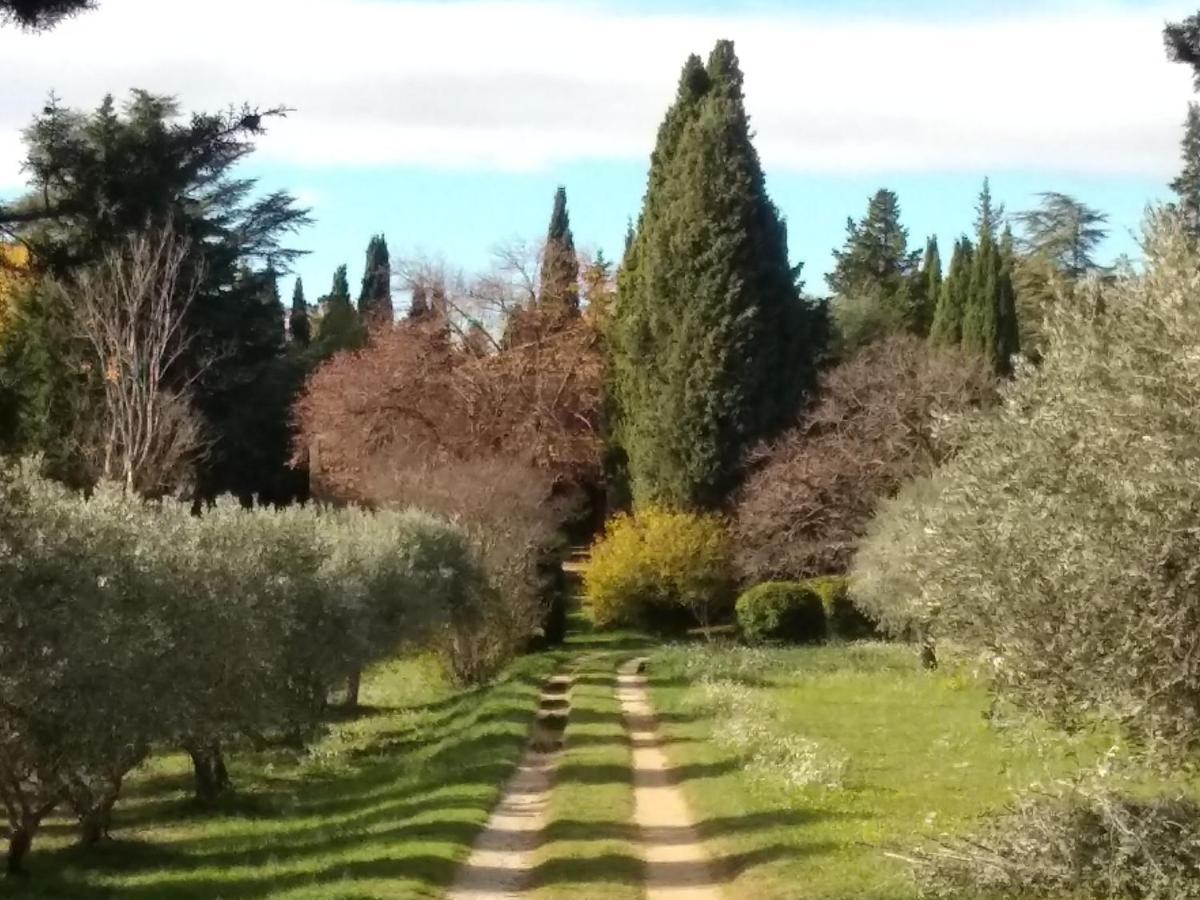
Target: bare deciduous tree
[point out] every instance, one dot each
(130, 311)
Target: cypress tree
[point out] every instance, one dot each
(340, 327)
(711, 348)
(375, 298)
(1187, 185)
(1008, 334)
(952, 297)
(418, 308)
(299, 326)
(929, 287)
(560, 264)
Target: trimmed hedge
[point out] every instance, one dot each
(784, 611)
(845, 620)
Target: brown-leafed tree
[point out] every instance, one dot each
(809, 496)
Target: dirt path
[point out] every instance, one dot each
(502, 857)
(677, 865)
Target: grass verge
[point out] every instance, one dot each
(386, 805)
(921, 760)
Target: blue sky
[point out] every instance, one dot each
(448, 125)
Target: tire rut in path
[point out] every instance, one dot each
(503, 854)
(677, 865)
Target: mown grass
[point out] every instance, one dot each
(386, 805)
(923, 760)
(588, 847)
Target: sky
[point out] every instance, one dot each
(447, 124)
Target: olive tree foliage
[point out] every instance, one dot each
(1063, 541)
(126, 626)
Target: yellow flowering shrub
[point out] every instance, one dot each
(662, 570)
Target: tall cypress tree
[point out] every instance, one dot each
(340, 327)
(1187, 184)
(929, 287)
(418, 308)
(989, 317)
(1008, 333)
(952, 297)
(711, 341)
(560, 264)
(299, 326)
(375, 298)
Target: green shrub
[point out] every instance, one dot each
(661, 570)
(1085, 843)
(845, 620)
(781, 611)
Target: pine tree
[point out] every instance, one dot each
(710, 343)
(875, 257)
(375, 297)
(952, 297)
(560, 264)
(299, 326)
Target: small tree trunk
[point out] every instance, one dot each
(353, 685)
(19, 843)
(94, 824)
(929, 658)
(212, 778)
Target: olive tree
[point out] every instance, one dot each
(1063, 540)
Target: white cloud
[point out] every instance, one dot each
(523, 85)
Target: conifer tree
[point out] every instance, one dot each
(989, 315)
(1008, 339)
(952, 298)
(1065, 232)
(375, 298)
(711, 341)
(299, 326)
(560, 264)
(418, 307)
(340, 326)
(875, 257)
(1187, 184)
(929, 289)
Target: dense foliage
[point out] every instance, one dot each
(712, 347)
(126, 626)
(785, 611)
(1095, 843)
(809, 496)
(661, 570)
(1050, 543)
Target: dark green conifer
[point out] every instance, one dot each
(928, 288)
(560, 264)
(875, 257)
(375, 298)
(340, 326)
(952, 297)
(299, 326)
(711, 347)
(1187, 184)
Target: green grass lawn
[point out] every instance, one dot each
(921, 760)
(385, 806)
